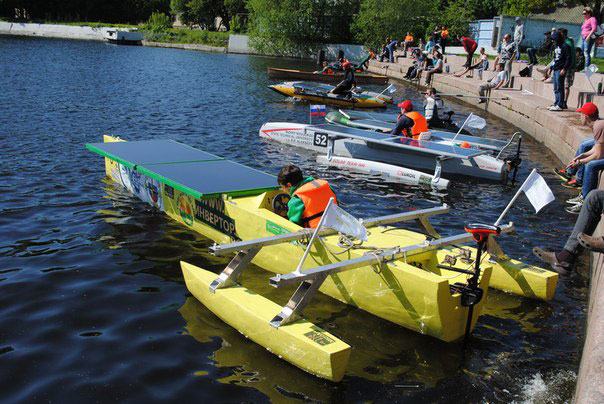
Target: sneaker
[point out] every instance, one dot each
(562, 174)
(575, 209)
(564, 106)
(595, 244)
(572, 184)
(576, 200)
(554, 108)
(549, 258)
(481, 101)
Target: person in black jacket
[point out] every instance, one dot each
(560, 67)
(349, 81)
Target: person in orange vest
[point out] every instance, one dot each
(410, 121)
(309, 196)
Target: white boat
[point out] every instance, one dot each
(437, 153)
(124, 37)
(295, 134)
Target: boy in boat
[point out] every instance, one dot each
(410, 122)
(309, 197)
(349, 81)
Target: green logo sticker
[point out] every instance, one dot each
(275, 229)
(319, 336)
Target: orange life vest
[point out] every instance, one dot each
(420, 124)
(444, 34)
(315, 195)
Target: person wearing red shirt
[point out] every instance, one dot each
(469, 46)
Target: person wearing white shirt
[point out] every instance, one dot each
(495, 83)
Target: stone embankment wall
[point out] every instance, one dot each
(54, 31)
(561, 132)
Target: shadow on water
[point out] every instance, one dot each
(93, 303)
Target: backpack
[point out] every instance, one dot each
(526, 72)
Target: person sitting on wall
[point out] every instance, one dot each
(349, 82)
(581, 236)
(437, 67)
(482, 65)
(407, 44)
(309, 196)
(494, 84)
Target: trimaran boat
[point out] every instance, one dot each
(419, 280)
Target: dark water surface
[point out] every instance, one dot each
(93, 307)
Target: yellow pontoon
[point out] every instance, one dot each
(422, 282)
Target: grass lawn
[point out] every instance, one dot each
(190, 36)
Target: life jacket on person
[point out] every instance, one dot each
(420, 124)
(315, 195)
(328, 71)
(444, 34)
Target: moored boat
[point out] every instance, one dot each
(414, 280)
(336, 77)
(320, 93)
(437, 152)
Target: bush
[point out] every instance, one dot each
(158, 22)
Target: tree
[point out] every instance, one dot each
(298, 27)
(378, 19)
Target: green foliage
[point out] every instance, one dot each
(378, 19)
(237, 24)
(526, 7)
(158, 22)
(298, 27)
(109, 11)
(192, 36)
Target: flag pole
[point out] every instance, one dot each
(464, 124)
(312, 239)
(386, 89)
(310, 115)
(513, 199)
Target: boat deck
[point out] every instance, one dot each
(395, 142)
(194, 172)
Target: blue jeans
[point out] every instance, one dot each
(586, 45)
(558, 82)
(585, 145)
(591, 172)
(391, 54)
(532, 54)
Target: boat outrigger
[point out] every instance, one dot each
(384, 122)
(320, 93)
(442, 152)
(424, 282)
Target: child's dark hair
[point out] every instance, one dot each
(290, 174)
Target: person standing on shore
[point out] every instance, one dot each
(518, 36)
(588, 29)
(559, 70)
(470, 46)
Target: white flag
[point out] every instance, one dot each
(391, 88)
(476, 122)
(537, 191)
(338, 219)
(591, 69)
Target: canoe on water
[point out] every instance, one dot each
(320, 93)
(336, 77)
(410, 279)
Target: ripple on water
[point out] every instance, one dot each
(92, 300)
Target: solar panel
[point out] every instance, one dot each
(187, 169)
(427, 147)
(207, 179)
(156, 151)
(493, 143)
